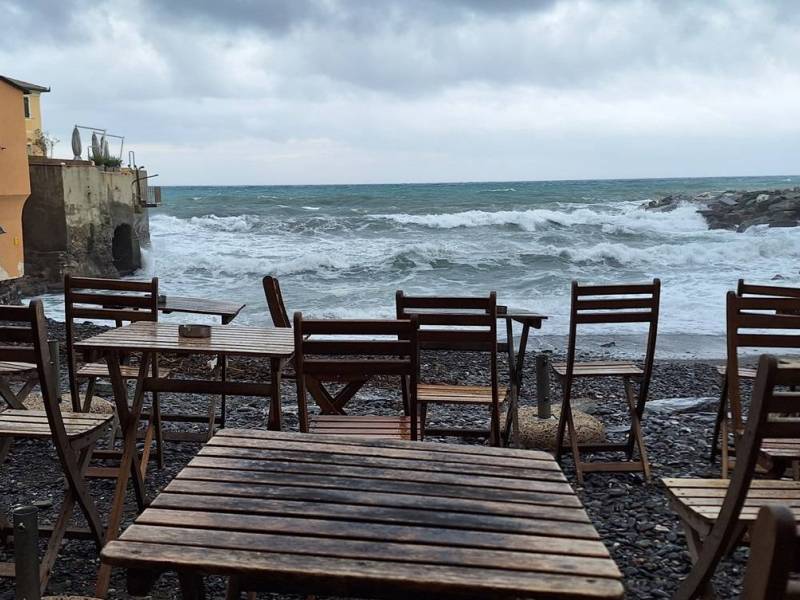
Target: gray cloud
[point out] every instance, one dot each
(337, 84)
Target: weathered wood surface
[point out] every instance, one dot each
(100, 369)
(599, 369)
(372, 518)
(225, 339)
(7, 367)
(224, 309)
(605, 304)
(716, 512)
(34, 423)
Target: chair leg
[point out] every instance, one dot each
(423, 419)
(87, 402)
(725, 448)
(721, 409)
(75, 492)
(157, 424)
(494, 427)
(573, 442)
(7, 394)
(5, 447)
(212, 416)
(636, 429)
(695, 544)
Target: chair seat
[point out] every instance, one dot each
(599, 369)
(101, 370)
(781, 449)
(8, 368)
(392, 427)
(454, 394)
(744, 372)
(703, 498)
(34, 424)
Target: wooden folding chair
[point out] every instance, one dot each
(119, 301)
(745, 373)
(277, 309)
(717, 513)
(774, 554)
(747, 317)
(345, 351)
(73, 434)
(8, 369)
(604, 304)
(468, 324)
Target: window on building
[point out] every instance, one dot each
(26, 101)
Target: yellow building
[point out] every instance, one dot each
(32, 109)
(19, 101)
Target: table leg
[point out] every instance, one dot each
(129, 422)
(223, 362)
(192, 586)
(274, 418)
(515, 370)
(511, 415)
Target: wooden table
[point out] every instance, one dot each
(226, 310)
(296, 513)
(516, 362)
(150, 339)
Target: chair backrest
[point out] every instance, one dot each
(773, 556)
(769, 406)
(747, 318)
(277, 309)
(343, 350)
(23, 338)
(455, 323)
(616, 304)
(452, 323)
(775, 291)
(117, 300)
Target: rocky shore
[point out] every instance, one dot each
(632, 516)
(739, 210)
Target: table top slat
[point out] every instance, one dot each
(201, 306)
(584, 559)
(379, 462)
(373, 518)
(480, 453)
(547, 523)
(366, 577)
(566, 509)
(412, 488)
(225, 339)
(477, 481)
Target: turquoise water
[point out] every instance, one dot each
(343, 250)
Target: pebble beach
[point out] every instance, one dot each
(633, 517)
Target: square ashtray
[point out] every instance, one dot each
(194, 331)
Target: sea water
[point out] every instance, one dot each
(343, 250)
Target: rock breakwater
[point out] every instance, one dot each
(739, 210)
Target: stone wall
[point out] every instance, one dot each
(83, 220)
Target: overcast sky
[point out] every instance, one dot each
(361, 91)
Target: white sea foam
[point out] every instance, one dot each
(623, 218)
(346, 259)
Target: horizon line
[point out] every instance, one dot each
(472, 182)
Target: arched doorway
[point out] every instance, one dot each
(125, 250)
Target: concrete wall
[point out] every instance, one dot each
(14, 182)
(72, 217)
